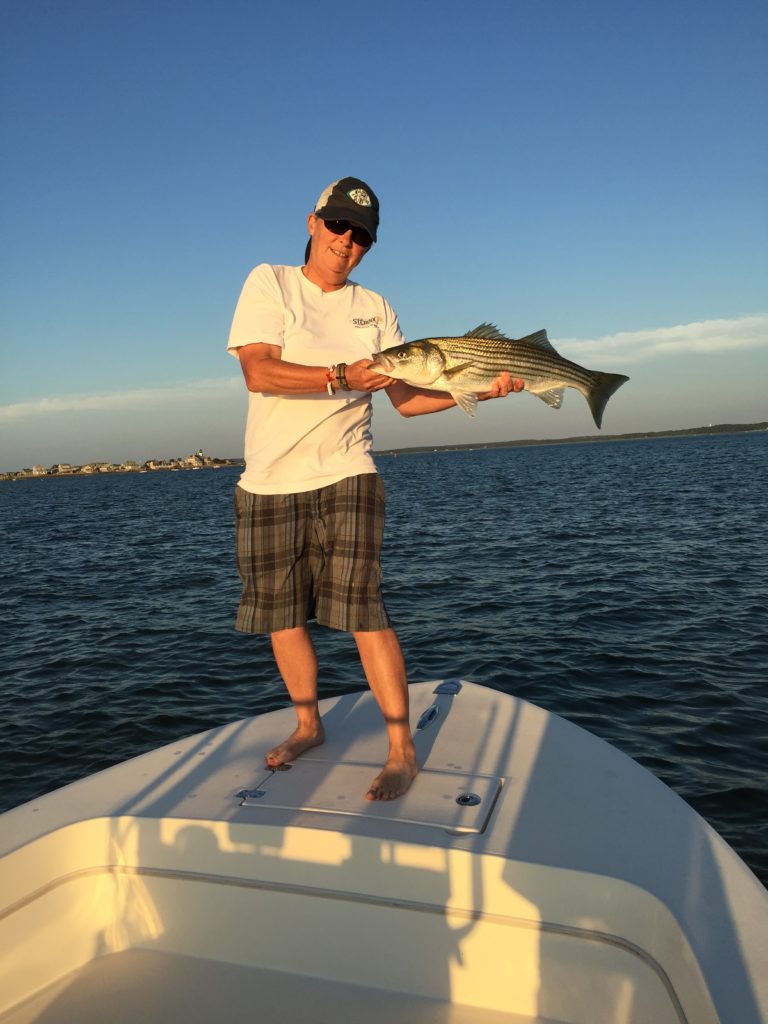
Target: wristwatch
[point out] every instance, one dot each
(341, 379)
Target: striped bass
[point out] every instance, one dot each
(468, 365)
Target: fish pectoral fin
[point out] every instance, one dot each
(552, 396)
(454, 370)
(466, 400)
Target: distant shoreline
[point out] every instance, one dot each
(719, 428)
(215, 463)
(121, 469)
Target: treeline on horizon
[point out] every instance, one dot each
(642, 435)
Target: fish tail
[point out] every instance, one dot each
(600, 390)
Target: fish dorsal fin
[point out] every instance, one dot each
(540, 340)
(488, 331)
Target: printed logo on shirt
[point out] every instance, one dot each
(372, 321)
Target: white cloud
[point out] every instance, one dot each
(138, 398)
(706, 337)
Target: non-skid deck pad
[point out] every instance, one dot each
(453, 802)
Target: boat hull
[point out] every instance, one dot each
(571, 887)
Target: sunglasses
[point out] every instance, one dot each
(359, 235)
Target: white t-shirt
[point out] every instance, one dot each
(301, 442)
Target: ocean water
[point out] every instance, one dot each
(622, 585)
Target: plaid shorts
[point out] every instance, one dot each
(315, 554)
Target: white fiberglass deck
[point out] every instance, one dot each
(532, 873)
(158, 988)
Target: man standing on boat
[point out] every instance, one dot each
(310, 504)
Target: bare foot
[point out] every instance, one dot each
(394, 779)
(296, 744)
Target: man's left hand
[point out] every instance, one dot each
(502, 386)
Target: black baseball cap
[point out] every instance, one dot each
(350, 199)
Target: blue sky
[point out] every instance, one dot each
(595, 168)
